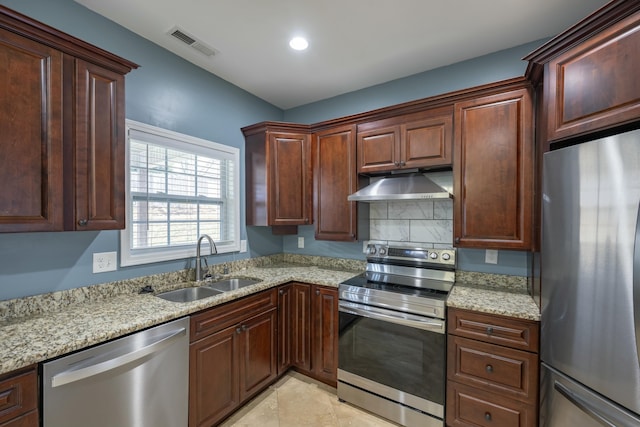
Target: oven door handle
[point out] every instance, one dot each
(425, 323)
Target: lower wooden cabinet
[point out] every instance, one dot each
(239, 348)
(308, 335)
(324, 363)
(232, 356)
(469, 406)
(492, 370)
(19, 398)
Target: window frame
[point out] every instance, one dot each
(132, 257)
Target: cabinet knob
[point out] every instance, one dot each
(487, 416)
(238, 330)
(489, 369)
(457, 240)
(83, 222)
(281, 292)
(244, 328)
(317, 291)
(489, 330)
(403, 163)
(396, 163)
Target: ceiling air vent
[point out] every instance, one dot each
(190, 40)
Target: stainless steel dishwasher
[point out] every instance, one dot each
(136, 381)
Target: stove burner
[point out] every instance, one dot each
(412, 280)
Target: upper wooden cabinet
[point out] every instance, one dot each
(493, 171)
(61, 130)
(420, 140)
(278, 175)
(590, 73)
(334, 179)
(99, 150)
(30, 135)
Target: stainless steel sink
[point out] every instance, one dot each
(232, 284)
(189, 294)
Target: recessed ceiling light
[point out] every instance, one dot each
(299, 43)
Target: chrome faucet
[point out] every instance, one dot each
(213, 248)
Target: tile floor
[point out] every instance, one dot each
(296, 400)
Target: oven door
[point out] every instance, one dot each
(392, 354)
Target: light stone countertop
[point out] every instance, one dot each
(42, 336)
(35, 329)
(493, 294)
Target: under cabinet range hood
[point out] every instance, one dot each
(413, 186)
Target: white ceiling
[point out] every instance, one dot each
(353, 44)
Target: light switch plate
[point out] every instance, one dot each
(300, 242)
(243, 246)
(491, 256)
(105, 261)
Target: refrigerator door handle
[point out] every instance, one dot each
(636, 285)
(584, 405)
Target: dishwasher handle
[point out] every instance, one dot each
(72, 375)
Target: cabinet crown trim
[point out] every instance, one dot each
(35, 30)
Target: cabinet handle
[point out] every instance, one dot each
(489, 330)
(457, 240)
(83, 222)
(487, 416)
(489, 369)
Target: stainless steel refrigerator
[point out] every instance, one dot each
(590, 340)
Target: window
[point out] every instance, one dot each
(178, 188)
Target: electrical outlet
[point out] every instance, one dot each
(491, 256)
(300, 242)
(243, 246)
(105, 261)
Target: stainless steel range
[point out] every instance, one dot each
(392, 342)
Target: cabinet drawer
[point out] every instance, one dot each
(221, 317)
(468, 406)
(510, 332)
(18, 394)
(513, 373)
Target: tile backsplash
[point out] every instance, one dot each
(428, 222)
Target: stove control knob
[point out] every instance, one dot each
(371, 250)
(446, 256)
(382, 251)
(433, 255)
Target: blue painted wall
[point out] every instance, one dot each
(174, 94)
(493, 67)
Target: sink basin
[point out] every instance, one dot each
(189, 294)
(232, 284)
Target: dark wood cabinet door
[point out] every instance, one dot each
(30, 135)
(290, 198)
(325, 314)
(19, 398)
(301, 327)
(99, 149)
(493, 171)
(594, 85)
(258, 365)
(378, 149)
(427, 143)
(285, 330)
(335, 178)
(471, 407)
(213, 377)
